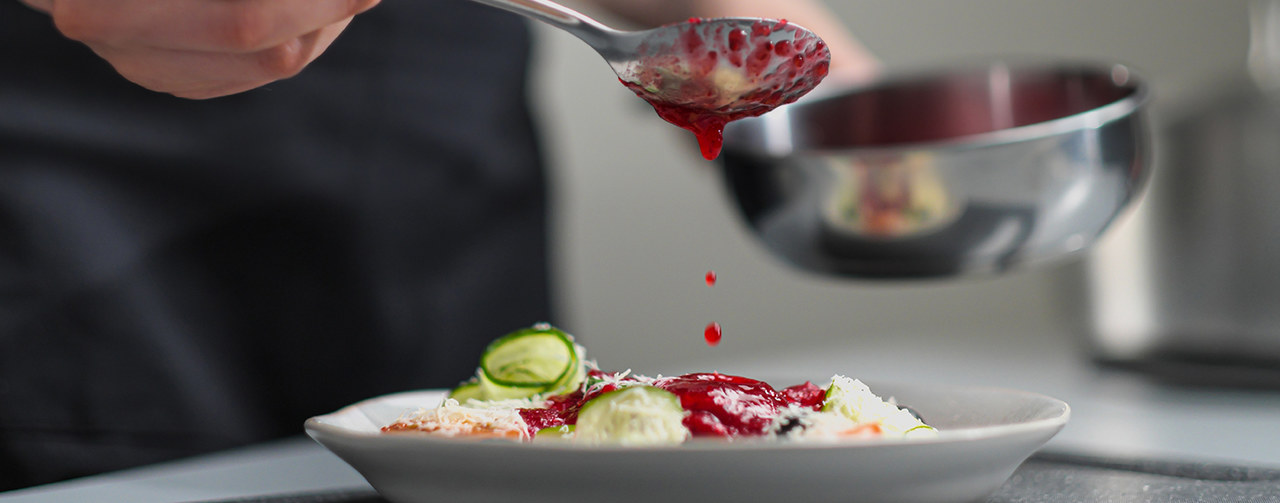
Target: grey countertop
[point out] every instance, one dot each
(299, 471)
(1130, 438)
(295, 465)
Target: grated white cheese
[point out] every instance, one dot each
(854, 400)
(453, 419)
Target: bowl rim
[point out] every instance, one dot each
(1121, 74)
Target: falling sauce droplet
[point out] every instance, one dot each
(712, 334)
(711, 278)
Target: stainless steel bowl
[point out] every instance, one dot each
(953, 172)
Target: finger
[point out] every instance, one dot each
(202, 75)
(40, 5)
(238, 26)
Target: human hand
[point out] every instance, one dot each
(204, 48)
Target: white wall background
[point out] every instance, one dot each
(640, 217)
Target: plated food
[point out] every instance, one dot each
(983, 434)
(535, 385)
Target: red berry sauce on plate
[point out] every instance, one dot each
(722, 405)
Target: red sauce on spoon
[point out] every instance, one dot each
(709, 78)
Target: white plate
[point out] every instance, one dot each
(984, 434)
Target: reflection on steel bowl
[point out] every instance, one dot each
(953, 172)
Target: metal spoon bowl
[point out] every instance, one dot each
(702, 73)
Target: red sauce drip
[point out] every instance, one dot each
(711, 278)
(724, 405)
(712, 334)
(689, 102)
(805, 395)
(707, 126)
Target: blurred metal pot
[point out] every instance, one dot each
(1192, 290)
(1199, 278)
(973, 170)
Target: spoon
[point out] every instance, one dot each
(702, 73)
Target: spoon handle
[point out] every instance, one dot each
(592, 32)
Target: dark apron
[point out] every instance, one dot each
(184, 276)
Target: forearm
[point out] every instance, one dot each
(850, 60)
